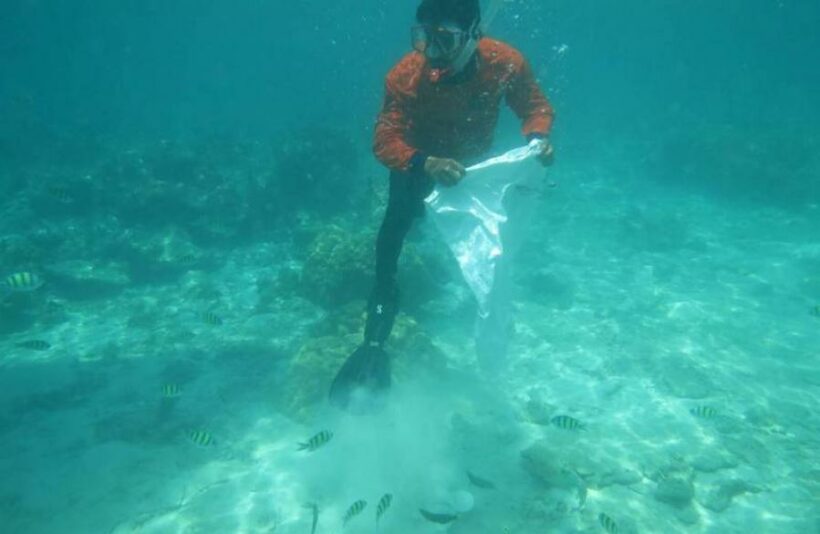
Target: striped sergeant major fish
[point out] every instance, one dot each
(609, 524)
(22, 281)
(704, 412)
(383, 505)
(566, 422)
(316, 441)
(201, 438)
(212, 319)
(171, 391)
(355, 509)
(34, 344)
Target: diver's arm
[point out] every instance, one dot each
(390, 145)
(392, 149)
(526, 99)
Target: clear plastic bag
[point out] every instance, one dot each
(483, 220)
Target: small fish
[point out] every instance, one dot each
(479, 482)
(815, 310)
(316, 441)
(24, 281)
(60, 193)
(355, 509)
(566, 422)
(170, 391)
(314, 508)
(384, 504)
(201, 438)
(211, 318)
(608, 523)
(34, 344)
(438, 518)
(704, 412)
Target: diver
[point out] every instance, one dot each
(440, 108)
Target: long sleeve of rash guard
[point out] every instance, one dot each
(528, 102)
(390, 145)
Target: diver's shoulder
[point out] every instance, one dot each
(493, 50)
(405, 74)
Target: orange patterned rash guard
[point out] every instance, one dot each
(423, 115)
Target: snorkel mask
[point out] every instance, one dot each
(447, 47)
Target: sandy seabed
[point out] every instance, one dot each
(636, 307)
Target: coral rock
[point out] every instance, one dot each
(675, 491)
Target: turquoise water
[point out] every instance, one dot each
(192, 184)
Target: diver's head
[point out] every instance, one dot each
(447, 32)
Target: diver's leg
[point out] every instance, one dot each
(406, 202)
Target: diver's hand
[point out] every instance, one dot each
(546, 156)
(447, 172)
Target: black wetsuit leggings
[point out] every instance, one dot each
(405, 204)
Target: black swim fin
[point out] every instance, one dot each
(363, 381)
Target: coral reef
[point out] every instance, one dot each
(158, 207)
(204, 189)
(207, 187)
(338, 267)
(317, 170)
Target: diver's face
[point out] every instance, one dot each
(441, 44)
